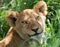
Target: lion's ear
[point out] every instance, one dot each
(11, 17)
(40, 7)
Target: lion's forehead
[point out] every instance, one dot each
(30, 12)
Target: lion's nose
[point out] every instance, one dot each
(35, 30)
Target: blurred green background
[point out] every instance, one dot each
(52, 33)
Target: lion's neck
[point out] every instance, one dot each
(12, 39)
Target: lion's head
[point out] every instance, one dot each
(29, 22)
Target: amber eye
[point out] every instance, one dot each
(25, 22)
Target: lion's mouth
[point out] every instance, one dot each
(37, 32)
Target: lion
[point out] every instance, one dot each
(29, 23)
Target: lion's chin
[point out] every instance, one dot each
(38, 37)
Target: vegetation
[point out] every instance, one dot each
(52, 38)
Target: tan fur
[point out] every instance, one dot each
(23, 25)
(12, 39)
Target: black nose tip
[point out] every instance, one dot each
(35, 30)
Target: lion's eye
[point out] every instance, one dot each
(25, 22)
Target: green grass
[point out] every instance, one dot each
(52, 38)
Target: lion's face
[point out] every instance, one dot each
(29, 22)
